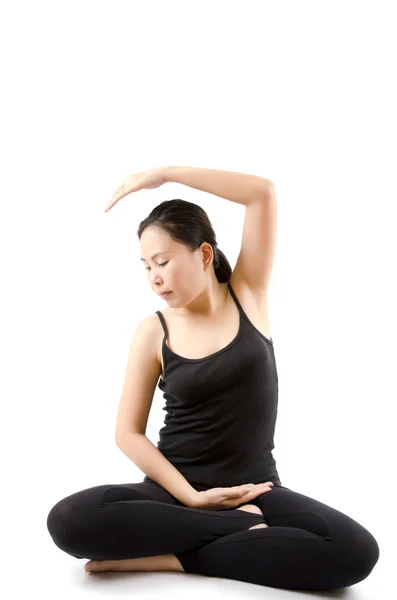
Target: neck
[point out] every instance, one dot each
(209, 304)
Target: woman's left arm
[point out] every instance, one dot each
(230, 185)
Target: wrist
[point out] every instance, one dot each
(193, 500)
(168, 172)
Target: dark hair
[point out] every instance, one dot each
(188, 223)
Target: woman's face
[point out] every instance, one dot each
(176, 268)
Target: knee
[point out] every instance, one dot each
(363, 557)
(57, 520)
(370, 553)
(61, 524)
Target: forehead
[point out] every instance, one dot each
(154, 241)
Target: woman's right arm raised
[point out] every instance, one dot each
(141, 377)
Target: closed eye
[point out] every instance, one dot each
(160, 265)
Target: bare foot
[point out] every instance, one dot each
(256, 510)
(163, 562)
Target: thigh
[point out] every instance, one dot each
(143, 490)
(97, 496)
(101, 521)
(285, 507)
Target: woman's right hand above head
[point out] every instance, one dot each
(230, 497)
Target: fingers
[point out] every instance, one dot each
(118, 194)
(247, 488)
(250, 490)
(246, 493)
(258, 489)
(255, 486)
(110, 204)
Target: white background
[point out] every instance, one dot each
(302, 93)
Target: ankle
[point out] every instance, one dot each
(176, 565)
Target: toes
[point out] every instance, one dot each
(96, 565)
(109, 565)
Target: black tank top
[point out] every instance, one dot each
(221, 410)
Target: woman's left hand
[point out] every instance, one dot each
(139, 181)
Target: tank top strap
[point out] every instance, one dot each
(160, 315)
(235, 298)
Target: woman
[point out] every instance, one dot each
(212, 500)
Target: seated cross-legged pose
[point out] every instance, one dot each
(211, 501)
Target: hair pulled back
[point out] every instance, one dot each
(188, 223)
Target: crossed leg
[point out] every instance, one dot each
(163, 562)
(308, 545)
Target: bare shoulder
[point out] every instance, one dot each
(156, 331)
(147, 330)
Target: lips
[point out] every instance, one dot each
(164, 293)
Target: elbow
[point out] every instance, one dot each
(120, 438)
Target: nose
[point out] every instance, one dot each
(157, 285)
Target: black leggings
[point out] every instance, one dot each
(307, 546)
